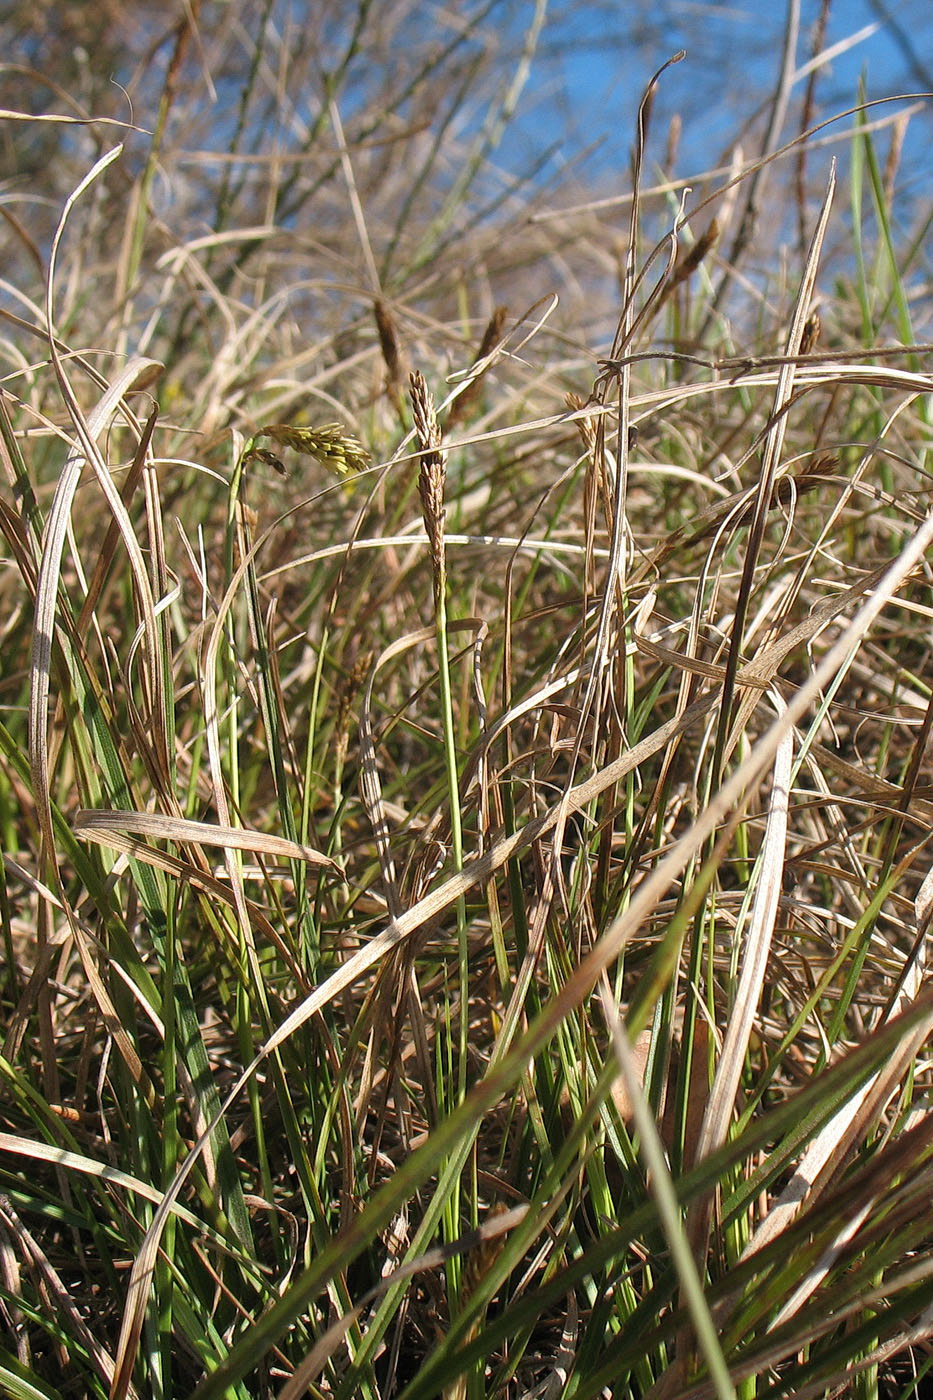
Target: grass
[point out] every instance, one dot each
(463, 779)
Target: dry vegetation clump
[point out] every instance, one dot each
(464, 770)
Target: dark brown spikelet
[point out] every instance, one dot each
(262, 454)
(811, 333)
(800, 482)
(596, 484)
(586, 427)
(674, 131)
(694, 256)
(432, 473)
(492, 335)
(391, 345)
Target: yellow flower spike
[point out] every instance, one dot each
(330, 445)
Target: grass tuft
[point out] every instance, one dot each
(465, 933)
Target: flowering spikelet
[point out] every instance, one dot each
(330, 444)
(432, 474)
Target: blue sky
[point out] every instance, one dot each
(594, 59)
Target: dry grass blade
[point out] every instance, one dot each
(76, 1162)
(50, 570)
(99, 825)
(756, 949)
